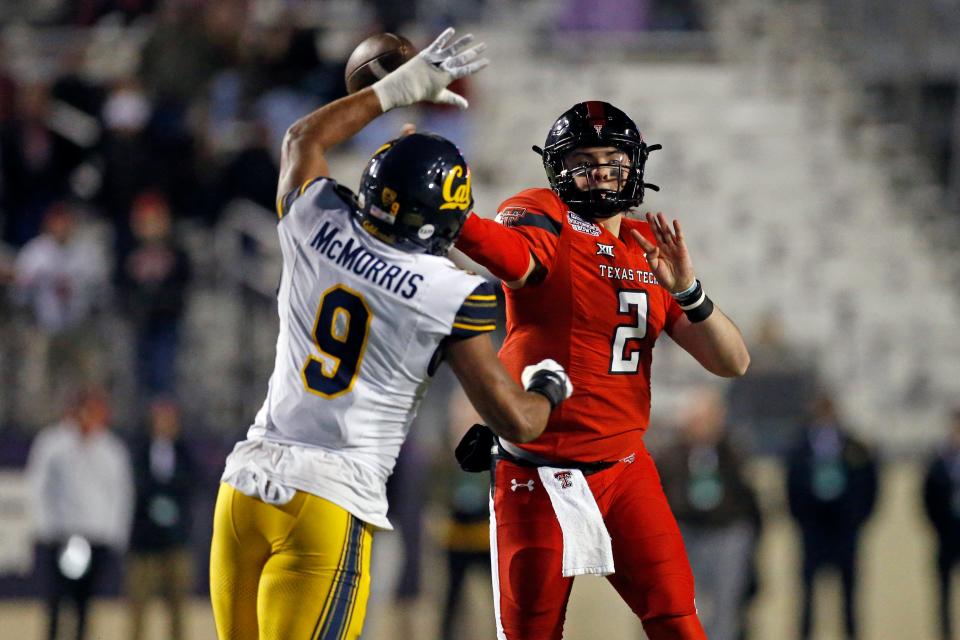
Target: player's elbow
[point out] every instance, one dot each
(527, 433)
(293, 139)
(735, 366)
(519, 429)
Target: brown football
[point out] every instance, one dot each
(374, 58)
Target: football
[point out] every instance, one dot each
(374, 58)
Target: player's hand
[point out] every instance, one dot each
(425, 77)
(548, 378)
(668, 258)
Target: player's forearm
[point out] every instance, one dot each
(716, 343)
(336, 121)
(511, 412)
(307, 140)
(497, 248)
(515, 415)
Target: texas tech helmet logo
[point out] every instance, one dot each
(599, 129)
(565, 478)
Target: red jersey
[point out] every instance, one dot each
(598, 312)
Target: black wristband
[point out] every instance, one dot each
(700, 312)
(550, 385)
(696, 305)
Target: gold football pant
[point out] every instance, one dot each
(300, 571)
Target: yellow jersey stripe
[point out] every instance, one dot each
(469, 320)
(481, 297)
(479, 328)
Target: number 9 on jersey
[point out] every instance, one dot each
(340, 335)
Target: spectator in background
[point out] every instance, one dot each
(155, 277)
(407, 500)
(36, 164)
(769, 404)
(128, 162)
(182, 54)
(81, 493)
(166, 479)
(8, 86)
(60, 278)
(251, 173)
(466, 539)
(831, 489)
(705, 482)
(941, 499)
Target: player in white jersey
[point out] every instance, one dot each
(369, 307)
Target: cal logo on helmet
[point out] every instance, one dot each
(415, 193)
(456, 197)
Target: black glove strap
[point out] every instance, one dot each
(550, 385)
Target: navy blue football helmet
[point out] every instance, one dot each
(415, 193)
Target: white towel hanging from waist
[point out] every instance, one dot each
(586, 542)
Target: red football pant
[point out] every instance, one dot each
(652, 571)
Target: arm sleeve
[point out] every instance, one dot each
(523, 227)
(477, 314)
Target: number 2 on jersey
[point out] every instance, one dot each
(340, 334)
(635, 330)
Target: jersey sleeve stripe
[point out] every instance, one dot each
(477, 314)
(482, 328)
(468, 320)
(540, 221)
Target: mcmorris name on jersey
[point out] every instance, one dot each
(353, 256)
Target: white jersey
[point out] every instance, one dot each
(360, 326)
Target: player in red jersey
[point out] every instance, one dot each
(593, 289)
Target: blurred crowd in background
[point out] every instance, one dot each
(129, 127)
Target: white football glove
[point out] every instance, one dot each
(425, 77)
(557, 373)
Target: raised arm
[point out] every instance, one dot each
(503, 252)
(305, 144)
(423, 78)
(511, 412)
(706, 333)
